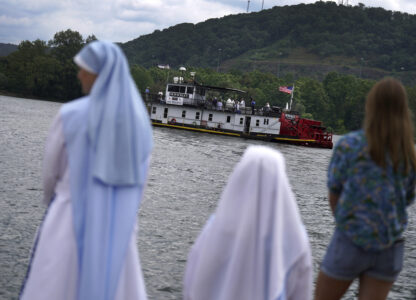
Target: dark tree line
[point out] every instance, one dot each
(44, 70)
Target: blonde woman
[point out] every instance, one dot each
(371, 181)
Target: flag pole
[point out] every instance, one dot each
(291, 97)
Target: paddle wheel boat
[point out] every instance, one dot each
(193, 106)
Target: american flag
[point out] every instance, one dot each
(286, 89)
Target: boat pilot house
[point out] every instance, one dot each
(228, 111)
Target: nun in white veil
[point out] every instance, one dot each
(255, 247)
(95, 168)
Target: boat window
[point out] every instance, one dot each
(165, 113)
(182, 89)
(173, 88)
(190, 90)
(154, 110)
(210, 117)
(228, 119)
(200, 91)
(183, 113)
(197, 115)
(257, 122)
(241, 121)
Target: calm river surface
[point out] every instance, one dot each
(187, 174)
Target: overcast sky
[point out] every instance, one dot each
(124, 20)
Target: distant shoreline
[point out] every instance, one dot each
(9, 94)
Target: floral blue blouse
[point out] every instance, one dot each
(372, 203)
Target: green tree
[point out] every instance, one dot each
(19, 66)
(66, 44)
(142, 77)
(44, 70)
(311, 93)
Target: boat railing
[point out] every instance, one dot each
(247, 110)
(153, 98)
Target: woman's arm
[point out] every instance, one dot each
(337, 173)
(54, 161)
(333, 200)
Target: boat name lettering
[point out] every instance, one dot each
(172, 94)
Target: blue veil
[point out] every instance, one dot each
(108, 139)
(118, 125)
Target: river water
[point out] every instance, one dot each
(187, 174)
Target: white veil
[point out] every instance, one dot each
(247, 250)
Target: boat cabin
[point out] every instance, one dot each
(184, 94)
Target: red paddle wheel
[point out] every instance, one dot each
(314, 134)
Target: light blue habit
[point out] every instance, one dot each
(108, 139)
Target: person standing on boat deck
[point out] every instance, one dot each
(219, 104)
(267, 108)
(255, 246)
(371, 181)
(214, 103)
(95, 169)
(243, 105)
(253, 105)
(147, 91)
(228, 104)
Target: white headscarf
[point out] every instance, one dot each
(248, 248)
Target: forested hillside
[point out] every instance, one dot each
(302, 39)
(6, 49)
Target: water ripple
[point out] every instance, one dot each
(187, 174)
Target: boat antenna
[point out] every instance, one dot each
(183, 70)
(262, 5)
(248, 5)
(291, 97)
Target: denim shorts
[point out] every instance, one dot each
(346, 261)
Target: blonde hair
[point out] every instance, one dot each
(388, 126)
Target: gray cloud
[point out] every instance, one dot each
(124, 20)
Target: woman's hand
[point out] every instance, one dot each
(333, 200)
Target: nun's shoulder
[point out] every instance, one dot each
(75, 105)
